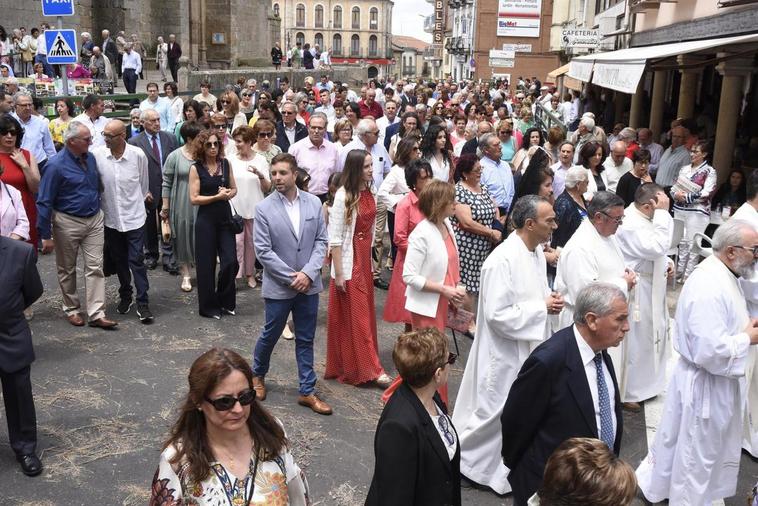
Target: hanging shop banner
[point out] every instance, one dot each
(623, 77)
(519, 18)
(581, 70)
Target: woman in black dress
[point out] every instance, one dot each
(211, 187)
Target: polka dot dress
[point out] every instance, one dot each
(473, 248)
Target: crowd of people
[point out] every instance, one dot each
(550, 249)
(24, 54)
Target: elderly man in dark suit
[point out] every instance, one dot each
(289, 130)
(173, 54)
(566, 388)
(290, 242)
(157, 145)
(21, 287)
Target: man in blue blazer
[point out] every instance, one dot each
(566, 388)
(290, 242)
(21, 287)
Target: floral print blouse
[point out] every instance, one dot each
(278, 482)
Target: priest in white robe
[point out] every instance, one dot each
(514, 303)
(593, 254)
(749, 213)
(644, 239)
(695, 455)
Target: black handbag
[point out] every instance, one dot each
(236, 224)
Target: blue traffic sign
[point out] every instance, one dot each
(57, 7)
(61, 46)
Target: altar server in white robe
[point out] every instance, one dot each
(514, 303)
(695, 456)
(644, 238)
(749, 213)
(593, 254)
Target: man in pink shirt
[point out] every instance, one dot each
(369, 106)
(316, 155)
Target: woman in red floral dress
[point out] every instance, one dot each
(352, 354)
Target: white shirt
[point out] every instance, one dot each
(293, 211)
(613, 172)
(131, 60)
(95, 128)
(290, 133)
(125, 186)
(588, 359)
(41, 44)
(382, 124)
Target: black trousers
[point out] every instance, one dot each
(19, 410)
(130, 81)
(125, 249)
(173, 66)
(152, 233)
(391, 226)
(214, 239)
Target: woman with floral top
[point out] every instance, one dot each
(225, 448)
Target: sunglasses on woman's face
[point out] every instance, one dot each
(450, 359)
(11, 131)
(212, 144)
(265, 134)
(227, 402)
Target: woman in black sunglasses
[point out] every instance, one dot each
(225, 448)
(416, 446)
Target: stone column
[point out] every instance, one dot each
(734, 73)
(203, 49)
(635, 110)
(688, 87)
(657, 102)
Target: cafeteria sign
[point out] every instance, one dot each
(519, 18)
(576, 38)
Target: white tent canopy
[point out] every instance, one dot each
(621, 70)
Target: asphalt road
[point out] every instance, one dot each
(106, 399)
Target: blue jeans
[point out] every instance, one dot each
(304, 310)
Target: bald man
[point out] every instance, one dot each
(125, 186)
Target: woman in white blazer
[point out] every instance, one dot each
(431, 271)
(13, 220)
(352, 352)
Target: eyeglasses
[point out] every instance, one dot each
(618, 220)
(754, 249)
(450, 359)
(225, 101)
(220, 127)
(227, 402)
(287, 113)
(11, 131)
(265, 134)
(212, 144)
(246, 94)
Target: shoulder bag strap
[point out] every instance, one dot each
(255, 472)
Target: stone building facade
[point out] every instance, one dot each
(216, 33)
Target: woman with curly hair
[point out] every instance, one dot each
(225, 448)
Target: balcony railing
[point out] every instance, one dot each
(644, 5)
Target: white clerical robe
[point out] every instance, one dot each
(695, 456)
(644, 243)
(586, 258)
(748, 213)
(512, 322)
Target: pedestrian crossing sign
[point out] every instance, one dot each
(61, 46)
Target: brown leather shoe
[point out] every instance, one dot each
(315, 404)
(634, 407)
(103, 323)
(259, 385)
(76, 320)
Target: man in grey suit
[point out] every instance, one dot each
(157, 145)
(290, 242)
(21, 287)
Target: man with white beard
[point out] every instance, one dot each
(514, 303)
(593, 254)
(644, 239)
(695, 456)
(749, 213)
